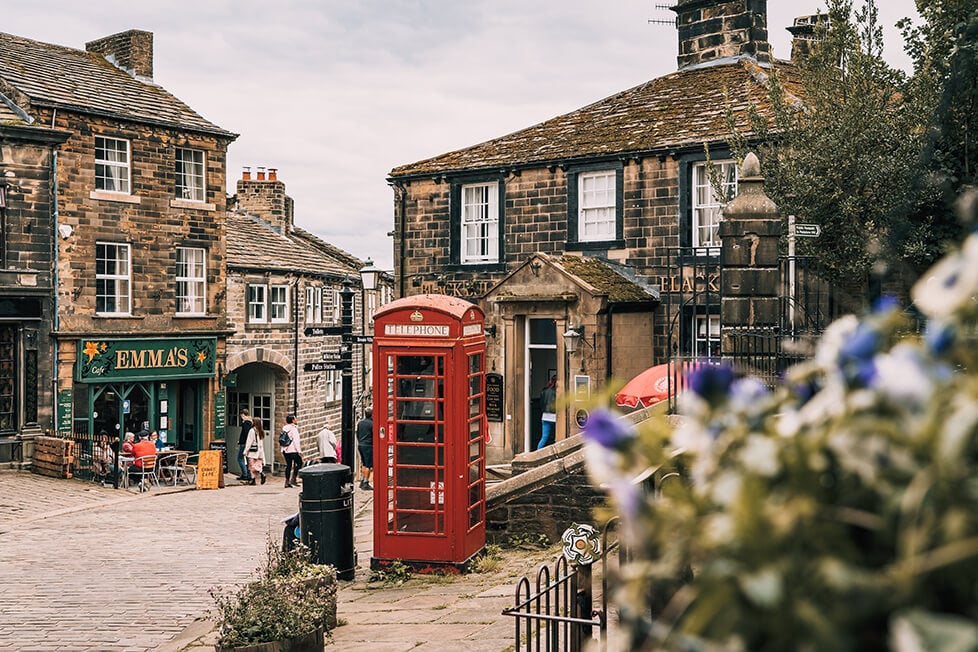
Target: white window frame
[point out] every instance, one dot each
(597, 198)
(113, 165)
(278, 304)
(337, 307)
(117, 279)
(190, 184)
(706, 334)
(257, 296)
(479, 223)
(707, 205)
(191, 281)
(310, 293)
(317, 305)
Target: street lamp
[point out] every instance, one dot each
(369, 274)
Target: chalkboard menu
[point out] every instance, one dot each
(494, 397)
(209, 472)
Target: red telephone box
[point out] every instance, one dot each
(429, 433)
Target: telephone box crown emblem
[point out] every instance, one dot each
(417, 316)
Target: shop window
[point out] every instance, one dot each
(8, 378)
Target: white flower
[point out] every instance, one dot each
(692, 437)
(833, 339)
(760, 456)
(951, 286)
(901, 377)
(726, 488)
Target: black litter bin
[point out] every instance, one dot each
(326, 516)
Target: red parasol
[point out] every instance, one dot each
(648, 388)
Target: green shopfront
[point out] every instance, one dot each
(127, 385)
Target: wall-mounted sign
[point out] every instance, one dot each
(697, 283)
(581, 417)
(65, 399)
(471, 329)
(582, 388)
(417, 330)
(495, 393)
(102, 360)
(220, 414)
(322, 366)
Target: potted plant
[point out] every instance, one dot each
(289, 607)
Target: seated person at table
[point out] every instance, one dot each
(102, 457)
(127, 443)
(155, 438)
(141, 448)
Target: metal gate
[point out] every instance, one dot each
(566, 606)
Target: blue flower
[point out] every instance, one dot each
(939, 336)
(862, 346)
(608, 430)
(886, 304)
(712, 382)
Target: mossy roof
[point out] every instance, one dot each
(604, 279)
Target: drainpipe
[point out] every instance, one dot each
(295, 347)
(608, 337)
(55, 285)
(401, 193)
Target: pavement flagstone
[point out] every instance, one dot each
(86, 567)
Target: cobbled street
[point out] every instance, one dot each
(83, 567)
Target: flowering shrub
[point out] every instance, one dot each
(837, 512)
(290, 598)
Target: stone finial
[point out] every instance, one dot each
(751, 202)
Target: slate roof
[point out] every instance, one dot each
(684, 108)
(253, 243)
(57, 76)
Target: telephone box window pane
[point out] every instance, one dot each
(475, 385)
(417, 365)
(412, 455)
(390, 409)
(475, 363)
(475, 516)
(475, 494)
(475, 430)
(475, 406)
(414, 477)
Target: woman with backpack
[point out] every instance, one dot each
(255, 451)
(291, 450)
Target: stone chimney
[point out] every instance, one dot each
(265, 198)
(131, 51)
(718, 30)
(804, 34)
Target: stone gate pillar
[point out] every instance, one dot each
(749, 272)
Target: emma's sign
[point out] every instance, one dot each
(106, 360)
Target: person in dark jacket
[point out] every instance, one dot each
(242, 440)
(365, 446)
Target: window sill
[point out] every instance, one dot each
(190, 315)
(103, 195)
(601, 245)
(476, 267)
(115, 316)
(193, 205)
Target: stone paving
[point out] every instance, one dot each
(85, 567)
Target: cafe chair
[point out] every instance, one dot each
(144, 468)
(189, 472)
(174, 467)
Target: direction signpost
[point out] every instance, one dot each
(808, 230)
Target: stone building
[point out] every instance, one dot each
(628, 190)
(137, 316)
(284, 300)
(27, 244)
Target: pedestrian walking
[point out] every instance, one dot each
(242, 440)
(548, 403)
(327, 446)
(291, 450)
(255, 451)
(365, 446)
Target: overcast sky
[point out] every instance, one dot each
(335, 93)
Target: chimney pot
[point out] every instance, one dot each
(273, 174)
(261, 173)
(246, 174)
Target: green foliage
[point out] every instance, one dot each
(290, 597)
(393, 574)
(529, 540)
(836, 513)
(488, 559)
(850, 158)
